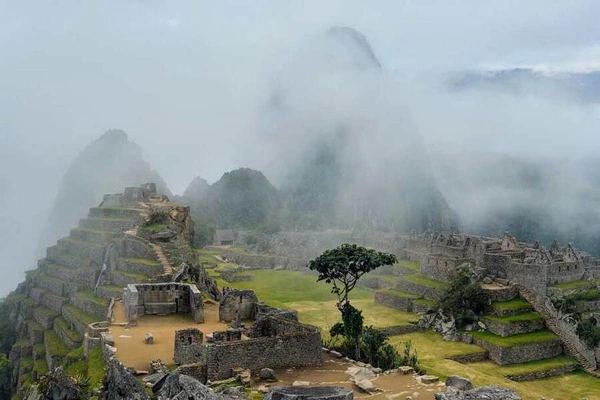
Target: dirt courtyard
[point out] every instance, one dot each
(129, 341)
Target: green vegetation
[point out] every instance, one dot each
(588, 295)
(529, 316)
(399, 293)
(412, 265)
(26, 364)
(64, 326)
(91, 296)
(75, 355)
(516, 304)
(421, 280)
(54, 346)
(78, 368)
(465, 300)
(589, 332)
(572, 285)
(516, 340)
(95, 371)
(155, 227)
(141, 261)
(80, 315)
(39, 348)
(41, 366)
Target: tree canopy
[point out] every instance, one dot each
(344, 265)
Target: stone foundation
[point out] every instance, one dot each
(162, 298)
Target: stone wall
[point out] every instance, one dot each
(429, 292)
(394, 301)
(244, 301)
(261, 310)
(532, 276)
(531, 376)
(565, 272)
(90, 307)
(263, 261)
(514, 328)
(440, 267)
(496, 264)
(584, 306)
(162, 298)
(502, 293)
(293, 349)
(519, 354)
(469, 358)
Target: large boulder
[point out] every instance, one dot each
(481, 393)
(309, 393)
(176, 386)
(458, 382)
(119, 384)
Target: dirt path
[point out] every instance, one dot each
(133, 352)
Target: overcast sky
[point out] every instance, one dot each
(185, 80)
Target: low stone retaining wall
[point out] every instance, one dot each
(235, 276)
(66, 339)
(264, 261)
(44, 316)
(90, 307)
(105, 224)
(399, 329)
(523, 353)
(469, 358)
(53, 302)
(108, 292)
(374, 282)
(72, 319)
(394, 301)
(505, 293)
(85, 277)
(584, 306)
(514, 328)
(428, 292)
(531, 376)
(36, 333)
(139, 267)
(123, 280)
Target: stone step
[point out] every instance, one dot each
(424, 287)
(84, 277)
(36, 332)
(81, 248)
(70, 337)
(114, 212)
(77, 318)
(44, 316)
(511, 307)
(122, 278)
(396, 299)
(514, 324)
(53, 301)
(140, 266)
(56, 286)
(59, 256)
(114, 225)
(107, 292)
(89, 303)
(91, 235)
(56, 350)
(521, 348)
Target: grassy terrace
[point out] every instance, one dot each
(79, 242)
(80, 315)
(516, 340)
(64, 326)
(399, 293)
(46, 312)
(421, 280)
(39, 348)
(116, 219)
(413, 266)
(313, 300)
(572, 285)
(92, 230)
(95, 369)
(140, 261)
(55, 346)
(529, 316)
(91, 296)
(41, 366)
(515, 304)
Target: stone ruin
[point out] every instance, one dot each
(273, 342)
(162, 298)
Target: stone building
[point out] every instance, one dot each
(162, 298)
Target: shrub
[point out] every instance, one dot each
(464, 300)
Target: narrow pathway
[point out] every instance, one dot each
(160, 254)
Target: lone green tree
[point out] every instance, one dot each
(342, 267)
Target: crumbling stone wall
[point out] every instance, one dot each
(242, 301)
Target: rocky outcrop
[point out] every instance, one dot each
(309, 393)
(119, 384)
(178, 386)
(484, 392)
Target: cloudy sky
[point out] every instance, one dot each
(185, 80)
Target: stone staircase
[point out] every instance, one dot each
(563, 329)
(162, 258)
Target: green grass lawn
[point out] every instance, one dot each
(572, 285)
(421, 280)
(399, 293)
(528, 316)
(515, 304)
(515, 340)
(413, 266)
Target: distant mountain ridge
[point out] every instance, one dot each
(106, 165)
